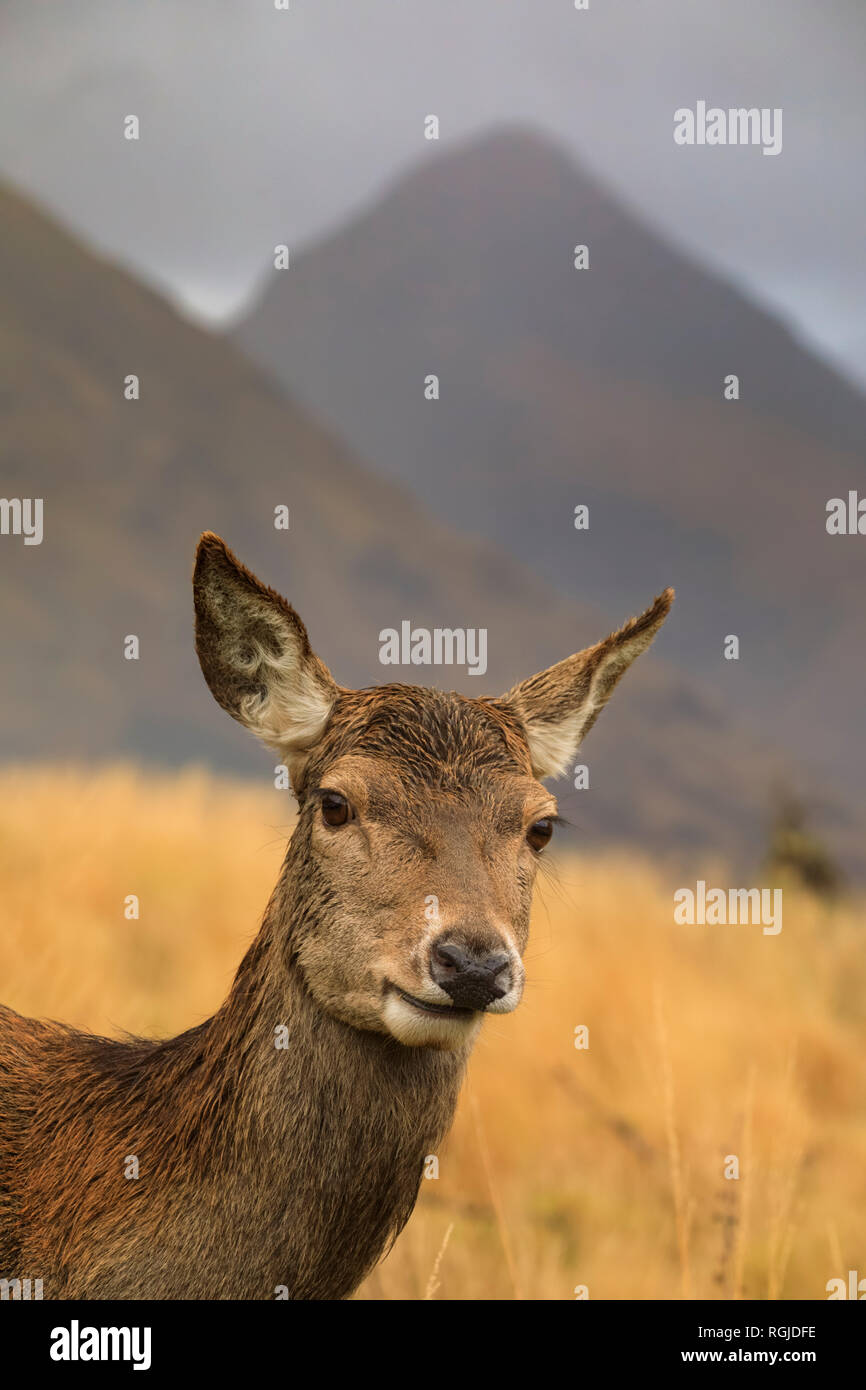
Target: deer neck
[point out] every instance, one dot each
(329, 1125)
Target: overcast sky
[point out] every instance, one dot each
(261, 126)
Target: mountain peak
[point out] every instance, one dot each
(516, 167)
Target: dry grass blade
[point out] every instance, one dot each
(494, 1197)
(434, 1281)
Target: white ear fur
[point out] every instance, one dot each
(256, 656)
(559, 706)
(296, 706)
(552, 746)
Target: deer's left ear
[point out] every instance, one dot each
(559, 705)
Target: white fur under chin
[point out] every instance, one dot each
(415, 1029)
(508, 1003)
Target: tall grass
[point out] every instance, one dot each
(601, 1167)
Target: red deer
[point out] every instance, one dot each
(280, 1144)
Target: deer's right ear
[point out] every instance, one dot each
(558, 706)
(256, 657)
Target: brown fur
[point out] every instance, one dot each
(263, 1167)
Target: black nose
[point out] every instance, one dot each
(473, 979)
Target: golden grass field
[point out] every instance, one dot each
(600, 1168)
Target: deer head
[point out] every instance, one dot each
(422, 815)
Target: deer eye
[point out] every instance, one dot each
(335, 809)
(539, 833)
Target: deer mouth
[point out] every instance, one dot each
(443, 1010)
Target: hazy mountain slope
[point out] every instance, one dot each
(604, 387)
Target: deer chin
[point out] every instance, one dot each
(419, 1022)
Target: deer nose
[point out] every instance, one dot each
(471, 979)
